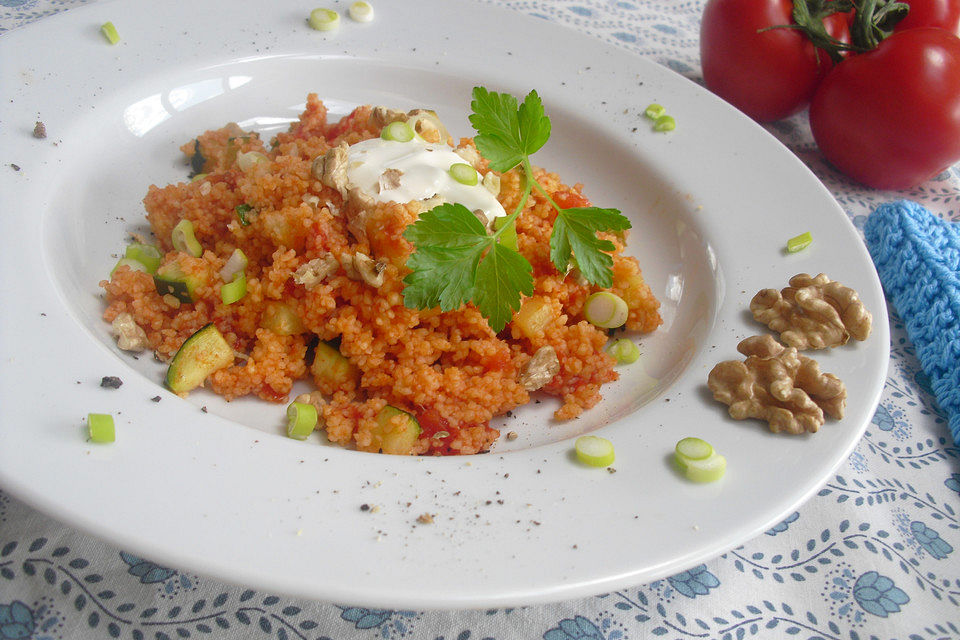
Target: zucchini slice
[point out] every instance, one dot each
(170, 279)
(332, 370)
(200, 355)
(397, 431)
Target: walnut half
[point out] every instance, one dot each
(777, 384)
(813, 313)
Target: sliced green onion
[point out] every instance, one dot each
(464, 174)
(694, 448)
(236, 263)
(134, 265)
(242, 210)
(110, 32)
(509, 236)
(397, 131)
(654, 111)
(234, 290)
(698, 461)
(100, 426)
(594, 451)
(665, 123)
(361, 11)
(324, 19)
(184, 240)
(146, 254)
(248, 160)
(624, 351)
(301, 420)
(605, 310)
(198, 177)
(800, 242)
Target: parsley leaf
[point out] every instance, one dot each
(575, 234)
(456, 262)
(502, 276)
(506, 134)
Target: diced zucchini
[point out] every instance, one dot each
(397, 431)
(203, 353)
(533, 317)
(281, 319)
(331, 369)
(170, 279)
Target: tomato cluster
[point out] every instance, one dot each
(881, 77)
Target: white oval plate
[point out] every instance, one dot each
(216, 487)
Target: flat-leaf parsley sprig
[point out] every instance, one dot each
(456, 261)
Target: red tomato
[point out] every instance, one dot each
(944, 14)
(768, 75)
(890, 118)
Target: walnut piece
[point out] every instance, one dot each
(312, 273)
(331, 168)
(813, 313)
(540, 369)
(130, 336)
(777, 384)
(362, 267)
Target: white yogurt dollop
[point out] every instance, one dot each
(424, 173)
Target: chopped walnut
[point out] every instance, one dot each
(777, 384)
(541, 368)
(813, 313)
(425, 518)
(362, 267)
(382, 116)
(389, 179)
(331, 168)
(312, 273)
(130, 336)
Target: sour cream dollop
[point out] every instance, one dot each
(423, 174)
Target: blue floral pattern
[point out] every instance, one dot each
(872, 555)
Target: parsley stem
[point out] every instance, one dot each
(527, 188)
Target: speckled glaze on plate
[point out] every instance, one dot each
(216, 488)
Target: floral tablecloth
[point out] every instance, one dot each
(873, 555)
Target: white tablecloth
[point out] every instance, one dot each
(873, 555)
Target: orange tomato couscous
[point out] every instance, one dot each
(324, 292)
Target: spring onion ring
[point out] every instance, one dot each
(110, 32)
(361, 11)
(234, 290)
(605, 310)
(654, 111)
(133, 265)
(301, 420)
(236, 263)
(665, 123)
(324, 19)
(146, 254)
(398, 131)
(464, 174)
(183, 239)
(800, 242)
(594, 451)
(101, 428)
(624, 351)
(697, 460)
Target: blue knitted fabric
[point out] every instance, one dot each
(918, 258)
